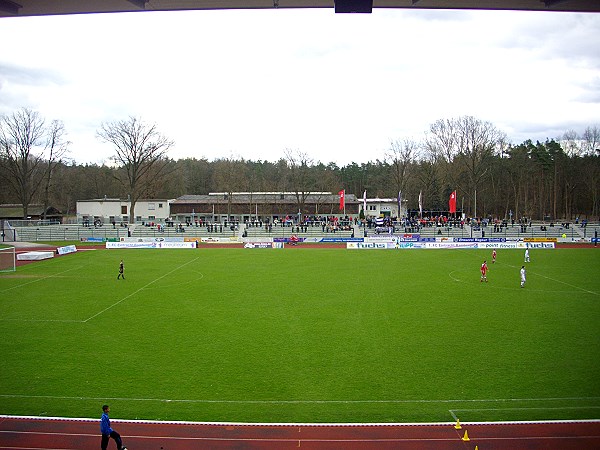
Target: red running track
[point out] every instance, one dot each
(20, 433)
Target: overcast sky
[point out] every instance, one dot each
(338, 87)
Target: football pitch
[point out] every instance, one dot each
(303, 335)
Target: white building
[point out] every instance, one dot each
(112, 210)
(383, 207)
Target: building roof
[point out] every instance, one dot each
(385, 200)
(118, 200)
(255, 197)
(13, 211)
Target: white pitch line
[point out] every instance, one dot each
(539, 275)
(276, 402)
(5, 417)
(454, 279)
(554, 279)
(40, 279)
(565, 283)
(42, 320)
(140, 289)
(545, 408)
(528, 408)
(190, 281)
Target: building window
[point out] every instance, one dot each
(160, 205)
(124, 209)
(372, 208)
(151, 207)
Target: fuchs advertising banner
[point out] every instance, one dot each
(151, 245)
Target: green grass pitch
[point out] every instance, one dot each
(303, 335)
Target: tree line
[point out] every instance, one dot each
(555, 179)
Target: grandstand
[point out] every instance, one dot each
(79, 232)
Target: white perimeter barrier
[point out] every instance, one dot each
(34, 256)
(66, 249)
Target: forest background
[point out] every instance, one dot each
(551, 180)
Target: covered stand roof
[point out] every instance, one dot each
(10, 8)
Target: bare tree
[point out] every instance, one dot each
(57, 148)
(301, 178)
(230, 175)
(591, 140)
(478, 141)
(141, 152)
(441, 139)
(467, 145)
(21, 153)
(400, 157)
(427, 174)
(440, 143)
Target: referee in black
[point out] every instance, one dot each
(121, 268)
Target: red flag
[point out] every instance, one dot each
(342, 196)
(452, 203)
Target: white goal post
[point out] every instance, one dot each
(8, 259)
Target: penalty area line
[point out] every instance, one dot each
(566, 284)
(37, 280)
(140, 289)
(537, 274)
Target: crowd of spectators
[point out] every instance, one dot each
(387, 225)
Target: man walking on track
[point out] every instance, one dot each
(108, 432)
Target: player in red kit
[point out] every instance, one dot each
(484, 269)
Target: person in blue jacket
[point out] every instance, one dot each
(108, 432)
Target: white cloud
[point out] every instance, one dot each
(338, 87)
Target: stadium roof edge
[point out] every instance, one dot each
(24, 8)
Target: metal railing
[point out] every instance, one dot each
(74, 232)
